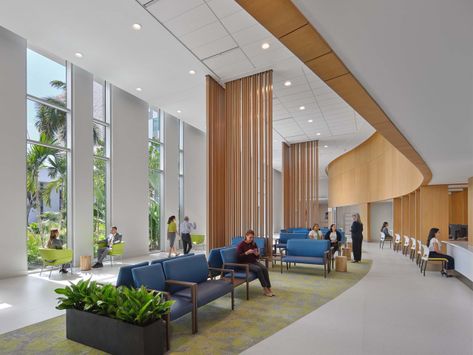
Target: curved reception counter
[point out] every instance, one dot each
(463, 255)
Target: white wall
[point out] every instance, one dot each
(171, 174)
(380, 212)
(195, 175)
(129, 167)
(82, 163)
(343, 222)
(278, 208)
(12, 159)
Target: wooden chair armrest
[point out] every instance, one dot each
(224, 270)
(181, 283)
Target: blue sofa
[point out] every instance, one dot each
(125, 276)
(185, 281)
(285, 237)
(242, 273)
(298, 230)
(315, 252)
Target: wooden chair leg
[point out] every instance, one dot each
(247, 290)
(168, 320)
(233, 299)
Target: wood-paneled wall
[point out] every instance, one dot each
(397, 215)
(283, 19)
(458, 207)
(373, 171)
(470, 211)
(249, 140)
(301, 188)
(240, 161)
(216, 163)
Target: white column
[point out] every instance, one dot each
(171, 174)
(82, 163)
(129, 170)
(13, 156)
(195, 175)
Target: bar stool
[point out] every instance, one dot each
(412, 255)
(397, 243)
(426, 259)
(405, 246)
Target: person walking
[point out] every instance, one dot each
(172, 231)
(186, 229)
(357, 237)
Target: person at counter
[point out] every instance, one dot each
(434, 247)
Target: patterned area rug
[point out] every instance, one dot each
(221, 331)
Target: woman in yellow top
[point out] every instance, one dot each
(172, 230)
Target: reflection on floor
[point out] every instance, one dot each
(393, 310)
(221, 330)
(30, 299)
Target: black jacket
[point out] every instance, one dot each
(339, 235)
(357, 230)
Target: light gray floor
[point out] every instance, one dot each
(392, 310)
(31, 299)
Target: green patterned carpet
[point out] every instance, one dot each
(221, 331)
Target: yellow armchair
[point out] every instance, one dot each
(55, 257)
(118, 249)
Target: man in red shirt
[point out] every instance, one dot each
(248, 253)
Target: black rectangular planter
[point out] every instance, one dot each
(114, 336)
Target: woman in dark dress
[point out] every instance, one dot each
(357, 237)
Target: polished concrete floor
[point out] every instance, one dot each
(392, 310)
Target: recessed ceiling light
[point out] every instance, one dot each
(191, 72)
(265, 45)
(302, 108)
(287, 83)
(318, 134)
(179, 111)
(310, 121)
(325, 146)
(78, 54)
(136, 26)
(139, 89)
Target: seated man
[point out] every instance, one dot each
(113, 238)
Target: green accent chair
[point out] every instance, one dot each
(55, 257)
(198, 240)
(117, 250)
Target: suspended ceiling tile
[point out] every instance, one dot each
(165, 10)
(219, 46)
(238, 21)
(204, 35)
(191, 20)
(251, 34)
(223, 8)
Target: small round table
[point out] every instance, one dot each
(85, 263)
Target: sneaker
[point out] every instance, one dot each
(97, 265)
(64, 271)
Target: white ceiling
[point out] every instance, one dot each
(416, 59)
(212, 37)
(228, 41)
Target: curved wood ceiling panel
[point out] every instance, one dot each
(289, 25)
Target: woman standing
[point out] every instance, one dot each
(172, 230)
(356, 237)
(434, 248)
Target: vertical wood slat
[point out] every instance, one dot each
(301, 184)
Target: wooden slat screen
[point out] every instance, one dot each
(300, 181)
(216, 163)
(245, 144)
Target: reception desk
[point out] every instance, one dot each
(463, 255)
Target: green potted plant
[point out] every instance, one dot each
(118, 320)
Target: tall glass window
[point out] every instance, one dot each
(181, 171)
(155, 175)
(101, 133)
(47, 152)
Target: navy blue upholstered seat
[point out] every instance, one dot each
(307, 251)
(125, 277)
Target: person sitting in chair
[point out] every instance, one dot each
(334, 236)
(55, 243)
(113, 238)
(385, 230)
(248, 253)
